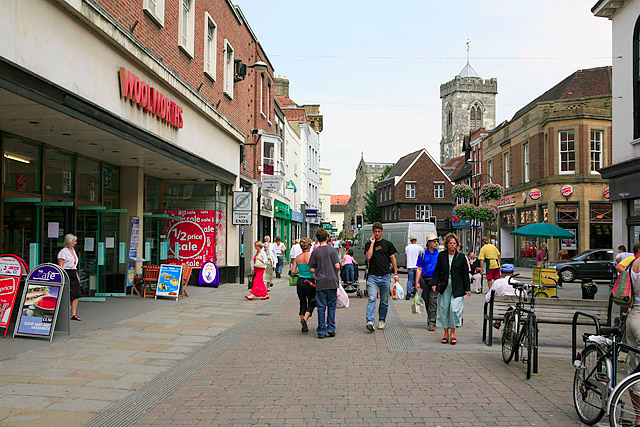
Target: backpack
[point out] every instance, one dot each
(622, 293)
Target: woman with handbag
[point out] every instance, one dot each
(305, 287)
(258, 265)
(451, 280)
(270, 263)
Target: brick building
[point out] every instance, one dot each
(417, 188)
(547, 157)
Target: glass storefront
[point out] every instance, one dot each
(633, 222)
(600, 226)
(528, 247)
(568, 217)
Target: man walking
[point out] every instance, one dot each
(490, 255)
(325, 265)
(412, 252)
(379, 252)
(424, 276)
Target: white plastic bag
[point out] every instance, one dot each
(398, 291)
(418, 303)
(343, 298)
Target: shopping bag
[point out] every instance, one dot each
(622, 293)
(418, 303)
(343, 298)
(398, 291)
(293, 280)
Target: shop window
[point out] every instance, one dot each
(544, 213)
(21, 166)
(528, 216)
(567, 151)
(567, 213)
(88, 180)
(600, 226)
(600, 212)
(111, 186)
(634, 207)
(508, 220)
(152, 194)
(178, 195)
(58, 177)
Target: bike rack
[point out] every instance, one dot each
(574, 329)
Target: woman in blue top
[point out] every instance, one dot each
(306, 287)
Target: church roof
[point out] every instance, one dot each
(469, 71)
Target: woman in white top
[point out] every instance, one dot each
(68, 259)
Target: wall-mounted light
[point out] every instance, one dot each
(241, 69)
(17, 159)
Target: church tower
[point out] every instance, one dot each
(468, 104)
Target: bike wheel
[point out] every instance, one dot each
(508, 336)
(542, 294)
(587, 398)
(625, 403)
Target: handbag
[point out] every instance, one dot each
(622, 293)
(293, 280)
(258, 263)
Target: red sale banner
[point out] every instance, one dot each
(11, 269)
(195, 232)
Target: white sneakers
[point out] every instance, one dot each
(370, 327)
(381, 325)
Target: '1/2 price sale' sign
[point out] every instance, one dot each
(195, 232)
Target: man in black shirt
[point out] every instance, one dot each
(379, 252)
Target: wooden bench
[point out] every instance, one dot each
(548, 310)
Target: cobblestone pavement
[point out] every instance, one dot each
(275, 375)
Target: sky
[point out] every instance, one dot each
(376, 67)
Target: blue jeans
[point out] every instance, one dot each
(280, 264)
(348, 272)
(411, 273)
(375, 283)
(326, 305)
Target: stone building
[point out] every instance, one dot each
(468, 103)
(366, 174)
(547, 157)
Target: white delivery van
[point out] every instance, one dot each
(397, 233)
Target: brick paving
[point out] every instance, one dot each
(275, 375)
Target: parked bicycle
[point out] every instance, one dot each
(520, 331)
(596, 391)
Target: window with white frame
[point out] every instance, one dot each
(490, 162)
(506, 170)
(210, 43)
(526, 162)
(229, 73)
(438, 190)
(381, 191)
(567, 141)
(410, 190)
(268, 100)
(596, 151)
(423, 211)
(154, 9)
(261, 97)
(185, 23)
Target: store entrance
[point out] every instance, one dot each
(20, 229)
(87, 232)
(111, 281)
(57, 222)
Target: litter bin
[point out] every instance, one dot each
(589, 289)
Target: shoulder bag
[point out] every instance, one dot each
(622, 293)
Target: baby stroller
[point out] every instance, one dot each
(351, 287)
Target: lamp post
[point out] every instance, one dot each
(476, 198)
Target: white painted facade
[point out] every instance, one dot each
(310, 140)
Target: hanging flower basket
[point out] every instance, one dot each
(492, 191)
(488, 214)
(465, 212)
(463, 191)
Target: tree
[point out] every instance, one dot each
(372, 212)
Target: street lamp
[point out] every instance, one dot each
(476, 198)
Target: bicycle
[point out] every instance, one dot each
(595, 388)
(521, 328)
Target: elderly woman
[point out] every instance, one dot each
(258, 265)
(306, 287)
(451, 280)
(68, 260)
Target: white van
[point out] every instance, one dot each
(397, 233)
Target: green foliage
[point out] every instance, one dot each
(492, 191)
(463, 191)
(489, 214)
(466, 212)
(372, 212)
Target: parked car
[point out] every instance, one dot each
(593, 264)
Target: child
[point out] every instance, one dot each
(349, 266)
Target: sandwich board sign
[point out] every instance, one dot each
(44, 298)
(209, 275)
(169, 281)
(11, 270)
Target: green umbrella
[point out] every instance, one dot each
(544, 230)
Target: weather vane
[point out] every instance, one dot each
(468, 48)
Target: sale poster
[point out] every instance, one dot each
(195, 233)
(221, 237)
(10, 273)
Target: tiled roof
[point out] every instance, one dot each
(286, 102)
(454, 165)
(403, 163)
(340, 199)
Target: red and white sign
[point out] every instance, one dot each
(10, 272)
(506, 201)
(566, 190)
(535, 193)
(195, 232)
(151, 100)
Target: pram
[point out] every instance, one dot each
(351, 287)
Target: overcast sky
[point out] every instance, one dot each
(376, 67)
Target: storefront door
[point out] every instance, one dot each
(20, 229)
(111, 281)
(57, 222)
(87, 225)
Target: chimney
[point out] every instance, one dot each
(281, 86)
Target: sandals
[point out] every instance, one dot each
(453, 341)
(74, 317)
(444, 340)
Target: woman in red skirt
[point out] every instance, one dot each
(258, 264)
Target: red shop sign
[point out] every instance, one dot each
(11, 270)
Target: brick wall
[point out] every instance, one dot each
(244, 109)
(583, 150)
(424, 173)
(551, 150)
(497, 169)
(536, 156)
(517, 164)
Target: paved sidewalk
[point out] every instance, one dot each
(275, 375)
(68, 382)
